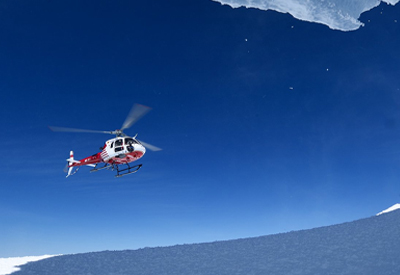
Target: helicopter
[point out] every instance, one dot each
(117, 153)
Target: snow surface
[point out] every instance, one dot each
(9, 265)
(390, 209)
(336, 14)
(364, 247)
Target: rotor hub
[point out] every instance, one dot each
(119, 133)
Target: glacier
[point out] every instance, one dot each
(336, 14)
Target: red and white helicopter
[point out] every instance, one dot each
(117, 151)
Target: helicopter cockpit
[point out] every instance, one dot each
(118, 144)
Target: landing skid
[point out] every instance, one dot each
(127, 171)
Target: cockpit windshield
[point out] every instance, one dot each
(130, 141)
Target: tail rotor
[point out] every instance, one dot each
(70, 165)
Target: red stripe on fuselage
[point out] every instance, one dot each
(130, 157)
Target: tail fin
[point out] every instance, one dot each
(70, 164)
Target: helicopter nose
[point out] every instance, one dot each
(142, 148)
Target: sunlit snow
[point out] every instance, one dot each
(336, 14)
(9, 265)
(390, 209)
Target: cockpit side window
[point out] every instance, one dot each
(119, 142)
(112, 144)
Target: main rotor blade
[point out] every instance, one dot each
(65, 129)
(149, 146)
(134, 115)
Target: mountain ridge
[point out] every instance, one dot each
(365, 246)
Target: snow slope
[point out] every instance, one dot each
(364, 247)
(390, 209)
(9, 265)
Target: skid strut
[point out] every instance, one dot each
(107, 166)
(120, 172)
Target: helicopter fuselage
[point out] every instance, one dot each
(119, 150)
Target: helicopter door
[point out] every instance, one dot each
(119, 145)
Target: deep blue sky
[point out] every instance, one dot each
(268, 124)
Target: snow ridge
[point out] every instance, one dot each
(390, 209)
(10, 265)
(336, 14)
